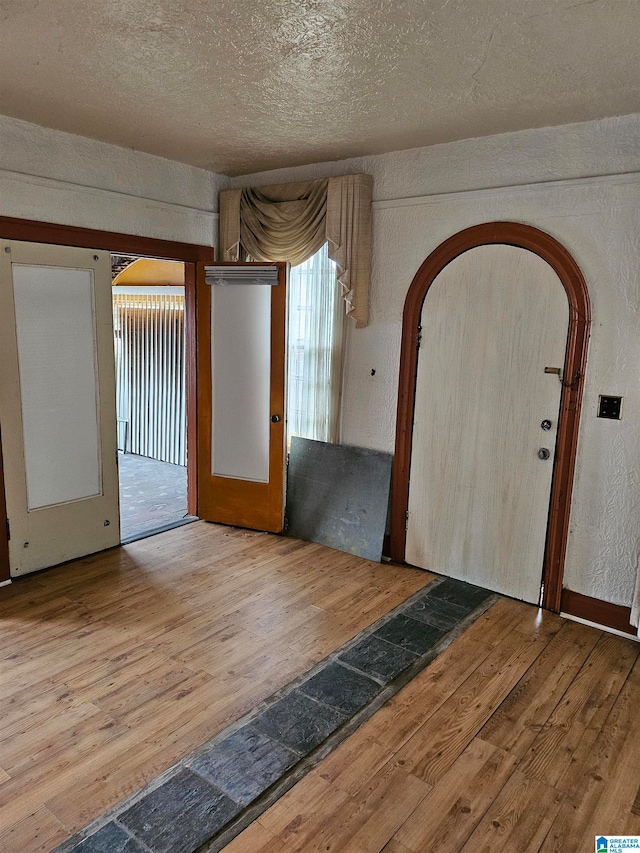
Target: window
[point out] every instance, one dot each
(316, 331)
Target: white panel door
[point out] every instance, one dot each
(57, 403)
(479, 493)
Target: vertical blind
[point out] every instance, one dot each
(150, 374)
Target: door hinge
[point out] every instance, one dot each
(419, 337)
(406, 520)
(8, 530)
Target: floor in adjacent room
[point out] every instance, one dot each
(522, 735)
(153, 494)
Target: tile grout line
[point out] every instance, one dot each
(308, 759)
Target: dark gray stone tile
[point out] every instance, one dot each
(410, 634)
(458, 592)
(299, 722)
(180, 815)
(110, 839)
(245, 764)
(341, 688)
(437, 612)
(378, 658)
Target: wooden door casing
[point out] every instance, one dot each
(569, 273)
(5, 571)
(29, 230)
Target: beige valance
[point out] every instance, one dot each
(290, 222)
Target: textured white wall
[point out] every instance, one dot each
(58, 177)
(543, 178)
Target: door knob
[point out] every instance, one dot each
(544, 453)
(275, 419)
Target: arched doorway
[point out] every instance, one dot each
(569, 274)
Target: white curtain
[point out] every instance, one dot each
(316, 331)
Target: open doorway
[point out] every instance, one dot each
(150, 357)
(52, 234)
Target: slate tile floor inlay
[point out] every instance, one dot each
(299, 722)
(245, 764)
(212, 788)
(437, 612)
(411, 634)
(341, 688)
(110, 839)
(378, 658)
(458, 592)
(180, 815)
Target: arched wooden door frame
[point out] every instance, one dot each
(568, 271)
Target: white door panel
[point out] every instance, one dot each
(57, 403)
(492, 320)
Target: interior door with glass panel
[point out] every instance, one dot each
(241, 394)
(57, 403)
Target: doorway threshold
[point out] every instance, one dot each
(145, 534)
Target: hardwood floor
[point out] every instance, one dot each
(524, 735)
(117, 665)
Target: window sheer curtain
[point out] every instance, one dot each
(316, 333)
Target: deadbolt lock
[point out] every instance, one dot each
(546, 425)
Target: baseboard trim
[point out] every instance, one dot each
(598, 612)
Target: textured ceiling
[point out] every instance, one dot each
(239, 86)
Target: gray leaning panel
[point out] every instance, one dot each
(338, 496)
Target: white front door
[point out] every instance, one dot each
(479, 493)
(57, 403)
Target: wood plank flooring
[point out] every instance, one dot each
(524, 735)
(117, 665)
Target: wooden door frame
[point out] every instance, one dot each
(5, 573)
(567, 270)
(190, 254)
